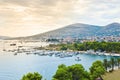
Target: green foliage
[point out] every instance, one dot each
(74, 72)
(32, 76)
(110, 64)
(105, 63)
(96, 46)
(118, 62)
(112, 60)
(52, 40)
(78, 72)
(62, 73)
(63, 48)
(97, 69)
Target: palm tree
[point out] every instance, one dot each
(118, 62)
(109, 64)
(105, 63)
(112, 63)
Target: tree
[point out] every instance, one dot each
(78, 72)
(74, 72)
(96, 70)
(109, 65)
(32, 76)
(75, 45)
(63, 48)
(96, 46)
(118, 62)
(105, 63)
(112, 63)
(62, 73)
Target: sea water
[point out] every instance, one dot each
(14, 67)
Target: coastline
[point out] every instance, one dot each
(91, 52)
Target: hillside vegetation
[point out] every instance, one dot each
(111, 47)
(78, 30)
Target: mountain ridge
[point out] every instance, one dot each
(4, 37)
(78, 30)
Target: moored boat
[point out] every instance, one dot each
(78, 59)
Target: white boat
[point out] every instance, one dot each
(77, 59)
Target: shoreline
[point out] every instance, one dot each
(92, 53)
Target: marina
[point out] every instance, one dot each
(14, 66)
(18, 59)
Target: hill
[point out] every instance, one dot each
(4, 37)
(110, 29)
(78, 30)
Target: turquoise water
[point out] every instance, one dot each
(13, 67)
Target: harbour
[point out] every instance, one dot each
(15, 63)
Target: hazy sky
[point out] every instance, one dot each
(29, 17)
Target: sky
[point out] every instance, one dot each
(30, 17)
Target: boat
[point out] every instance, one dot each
(12, 44)
(15, 53)
(78, 59)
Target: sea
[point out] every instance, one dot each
(13, 67)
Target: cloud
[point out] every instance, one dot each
(47, 11)
(100, 12)
(32, 14)
(52, 14)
